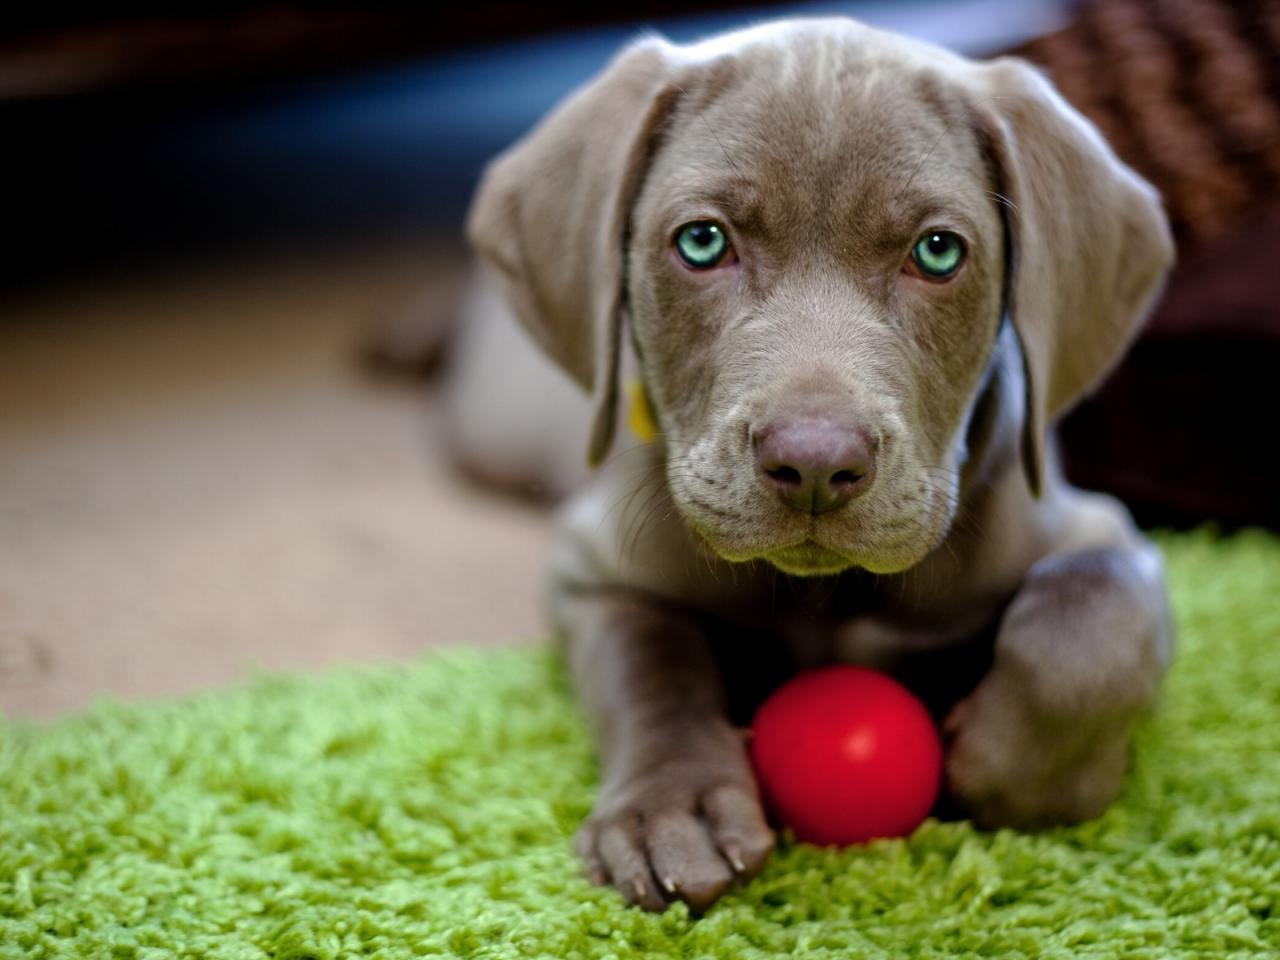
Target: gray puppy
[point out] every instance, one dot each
(859, 277)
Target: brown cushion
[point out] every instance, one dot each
(1189, 94)
(1185, 430)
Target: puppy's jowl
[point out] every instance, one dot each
(859, 277)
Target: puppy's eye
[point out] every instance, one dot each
(702, 244)
(938, 254)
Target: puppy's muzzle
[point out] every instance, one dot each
(815, 464)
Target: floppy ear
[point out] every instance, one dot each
(1089, 245)
(551, 214)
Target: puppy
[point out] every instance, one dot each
(859, 278)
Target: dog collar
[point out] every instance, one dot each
(640, 412)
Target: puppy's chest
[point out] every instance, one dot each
(861, 619)
(871, 639)
(940, 659)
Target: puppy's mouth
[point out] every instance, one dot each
(813, 555)
(744, 521)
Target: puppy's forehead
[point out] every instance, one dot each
(833, 125)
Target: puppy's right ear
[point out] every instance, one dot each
(551, 215)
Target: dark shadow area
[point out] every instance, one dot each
(306, 141)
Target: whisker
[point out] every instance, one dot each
(1004, 201)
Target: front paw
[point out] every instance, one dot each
(685, 830)
(1009, 764)
(1043, 739)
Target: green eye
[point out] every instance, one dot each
(938, 254)
(701, 245)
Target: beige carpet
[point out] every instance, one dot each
(198, 478)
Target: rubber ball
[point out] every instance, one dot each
(846, 754)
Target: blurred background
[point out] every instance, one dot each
(208, 214)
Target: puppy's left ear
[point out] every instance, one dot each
(551, 215)
(1089, 244)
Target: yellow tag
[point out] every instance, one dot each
(640, 414)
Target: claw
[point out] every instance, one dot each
(734, 856)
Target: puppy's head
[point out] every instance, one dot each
(815, 230)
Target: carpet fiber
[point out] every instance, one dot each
(425, 811)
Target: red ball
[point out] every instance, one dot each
(846, 754)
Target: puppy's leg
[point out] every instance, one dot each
(678, 815)
(1080, 652)
(511, 418)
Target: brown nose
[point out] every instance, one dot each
(815, 465)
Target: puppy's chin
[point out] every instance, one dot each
(808, 559)
(804, 547)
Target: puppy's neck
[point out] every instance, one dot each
(992, 435)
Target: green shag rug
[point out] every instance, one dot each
(426, 810)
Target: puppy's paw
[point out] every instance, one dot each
(1008, 765)
(683, 832)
